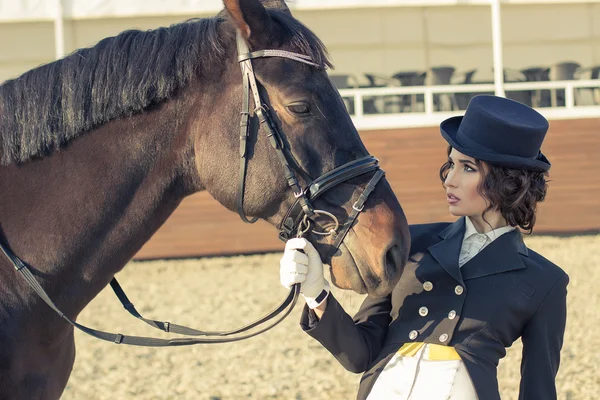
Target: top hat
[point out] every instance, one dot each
(500, 131)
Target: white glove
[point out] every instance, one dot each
(304, 268)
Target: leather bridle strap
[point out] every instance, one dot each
(325, 182)
(341, 174)
(184, 330)
(119, 338)
(250, 87)
(244, 55)
(244, 134)
(357, 207)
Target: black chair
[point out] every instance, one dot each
(562, 71)
(441, 75)
(344, 81)
(539, 98)
(463, 77)
(536, 74)
(482, 75)
(588, 96)
(376, 80)
(522, 96)
(410, 78)
(473, 76)
(379, 104)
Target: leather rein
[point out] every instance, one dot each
(297, 222)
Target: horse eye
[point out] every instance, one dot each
(299, 108)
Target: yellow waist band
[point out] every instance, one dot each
(437, 352)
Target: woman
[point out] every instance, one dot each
(470, 288)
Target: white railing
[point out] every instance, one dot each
(422, 113)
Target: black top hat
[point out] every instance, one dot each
(499, 131)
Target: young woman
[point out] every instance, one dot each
(470, 288)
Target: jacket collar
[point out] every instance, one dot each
(446, 251)
(487, 262)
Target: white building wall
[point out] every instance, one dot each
(372, 40)
(538, 35)
(24, 46)
(417, 38)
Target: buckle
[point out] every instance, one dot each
(355, 208)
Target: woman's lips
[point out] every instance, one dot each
(452, 199)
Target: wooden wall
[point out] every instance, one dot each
(411, 159)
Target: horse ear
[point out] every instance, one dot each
(250, 17)
(277, 5)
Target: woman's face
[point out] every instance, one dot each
(461, 186)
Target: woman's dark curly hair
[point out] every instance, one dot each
(514, 192)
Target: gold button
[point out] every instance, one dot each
(443, 337)
(413, 335)
(428, 286)
(423, 311)
(458, 290)
(452, 314)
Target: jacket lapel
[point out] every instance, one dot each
(446, 252)
(502, 255)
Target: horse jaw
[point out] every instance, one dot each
(372, 256)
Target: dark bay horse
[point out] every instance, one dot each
(99, 148)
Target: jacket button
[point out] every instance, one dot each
(428, 286)
(443, 337)
(452, 314)
(458, 290)
(413, 335)
(423, 311)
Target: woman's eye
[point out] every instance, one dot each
(469, 169)
(299, 108)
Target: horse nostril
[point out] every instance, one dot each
(394, 263)
(389, 263)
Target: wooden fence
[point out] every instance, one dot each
(411, 159)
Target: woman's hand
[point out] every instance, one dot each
(304, 267)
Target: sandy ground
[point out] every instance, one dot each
(285, 363)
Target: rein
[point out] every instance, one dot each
(119, 338)
(297, 222)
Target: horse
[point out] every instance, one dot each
(97, 149)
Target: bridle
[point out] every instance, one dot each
(298, 221)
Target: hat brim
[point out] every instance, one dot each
(449, 129)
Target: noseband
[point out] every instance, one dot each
(298, 221)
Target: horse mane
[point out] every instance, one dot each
(46, 107)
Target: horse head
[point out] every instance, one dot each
(317, 135)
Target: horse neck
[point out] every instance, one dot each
(78, 215)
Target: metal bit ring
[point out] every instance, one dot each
(304, 223)
(329, 232)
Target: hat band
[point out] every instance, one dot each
(465, 141)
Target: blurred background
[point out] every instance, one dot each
(402, 66)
